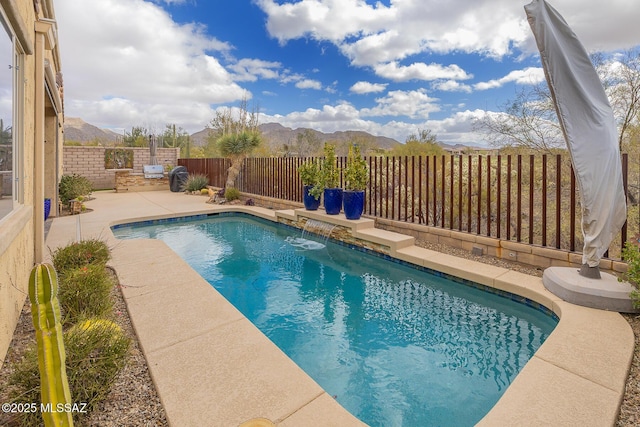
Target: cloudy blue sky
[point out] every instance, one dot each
(388, 67)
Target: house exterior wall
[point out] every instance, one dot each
(89, 163)
(18, 240)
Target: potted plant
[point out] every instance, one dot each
(355, 182)
(309, 173)
(47, 208)
(330, 181)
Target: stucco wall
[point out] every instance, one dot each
(17, 229)
(16, 260)
(89, 162)
(23, 229)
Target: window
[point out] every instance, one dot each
(10, 156)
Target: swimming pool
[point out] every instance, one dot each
(394, 345)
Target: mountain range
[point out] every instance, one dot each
(76, 129)
(274, 134)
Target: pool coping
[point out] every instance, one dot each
(577, 377)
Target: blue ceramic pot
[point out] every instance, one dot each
(47, 208)
(353, 202)
(333, 200)
(310, 202)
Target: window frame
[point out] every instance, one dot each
(17, 117)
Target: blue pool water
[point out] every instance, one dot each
(396, 346)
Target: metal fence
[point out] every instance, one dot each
(530, 199)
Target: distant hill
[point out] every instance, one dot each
(76, 129)
(275, 136)
(200, 138)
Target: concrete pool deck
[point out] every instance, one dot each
(211, 366)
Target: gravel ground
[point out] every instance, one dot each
(133, 400)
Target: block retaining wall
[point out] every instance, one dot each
(89, 162)
(523, 253)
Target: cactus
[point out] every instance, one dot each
(45, 310)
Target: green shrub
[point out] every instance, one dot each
(329, 173)
(309, 172)
(231, 193)
(96, 350)
(24, 387)
(356, 171)
(72, 186)
(196, 182)
(80, 254)
(631, 254)
(84, 292)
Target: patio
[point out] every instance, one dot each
(210, 364)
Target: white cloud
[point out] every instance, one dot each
(528, 76)
(378, 48)
(367, 87)
(252, 69)
(420, 71)
(456, 129)
(415, 104)
(328, 119)
(309, 84)
(451, 86)
(159, 75)
(324, 19)
(151, 70)
(370, 34)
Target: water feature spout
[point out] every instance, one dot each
(319, 227)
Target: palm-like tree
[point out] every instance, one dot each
(237, 146)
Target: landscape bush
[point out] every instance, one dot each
(96, 348)
(96, 351)
(195, 182)
(231, 194)
(80, 254)
(84, 292)
(73, 186)
(631, 255)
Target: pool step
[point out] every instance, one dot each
(395, 241)
(363, 228)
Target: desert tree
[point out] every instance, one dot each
(173, 137)
(530, 121)
(137, 137)
(422, 143)
(308, 143)
(236, 135)
(622, 84)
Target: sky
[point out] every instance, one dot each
(387, 67)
